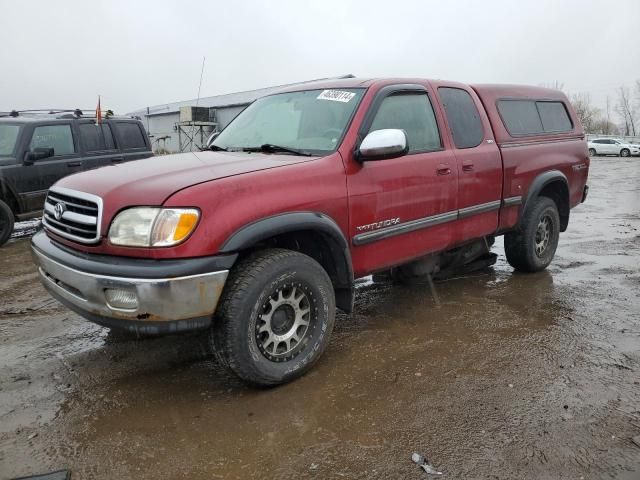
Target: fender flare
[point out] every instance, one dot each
(7, 192)
(264, 228)
(542, 181)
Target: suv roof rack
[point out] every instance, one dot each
(65, 113)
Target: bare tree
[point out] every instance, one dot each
(626, 111)
(602, 126)
(588, 114)
(637, 88)
(607, 129)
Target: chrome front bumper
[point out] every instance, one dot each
(164, 305)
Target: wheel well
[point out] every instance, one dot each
(323, 249)
(7, 197)
(559, 193)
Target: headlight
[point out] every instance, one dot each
(152, 227)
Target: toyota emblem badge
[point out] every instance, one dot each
(59, 210)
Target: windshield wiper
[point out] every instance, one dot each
(271, 148)
(216, 148)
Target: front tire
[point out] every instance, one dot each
(592, 152)
(625, 152)
(532, 248)
(275, 317)
(7, 221)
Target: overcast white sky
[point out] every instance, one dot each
(135, 54)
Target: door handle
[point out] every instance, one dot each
(467, 166)
(74, 164)
(443, 169)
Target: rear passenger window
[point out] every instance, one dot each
(530, 117)
(554, 117)
(130, 135)
(413, 113)
(96, 137)
(58, 137)
(520, 117)
(463, 116)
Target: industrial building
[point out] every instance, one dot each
(185, 126)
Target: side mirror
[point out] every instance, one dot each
(37, 154)
(382, 144)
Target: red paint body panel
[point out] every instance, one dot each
(236, 189)
(479, 172)
(525, 157)
(151, 181)
(408, 188)
(317, 186)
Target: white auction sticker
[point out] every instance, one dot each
(336, 95)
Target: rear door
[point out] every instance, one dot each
(131, 139)
(478, 162)
(402, 208)
(611, 147)
(598, 146)
(35, 180)
(98, 144)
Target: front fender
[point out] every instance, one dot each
(281, 224)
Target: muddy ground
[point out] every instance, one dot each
(512, 376)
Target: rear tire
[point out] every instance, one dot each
(592, 152)
(625, 152)
(532, 248)
(275, 317)
(7, 221)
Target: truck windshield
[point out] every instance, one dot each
(8, 137)
(310, 121)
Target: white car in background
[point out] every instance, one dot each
(612, 146)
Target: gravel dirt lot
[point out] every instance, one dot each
(512, 376)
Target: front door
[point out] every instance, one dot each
(33, 181)
(402, 208)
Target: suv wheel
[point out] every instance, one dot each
(275, 317)
(6, 222)
(625, 152)
(592, 152)
(532, 248)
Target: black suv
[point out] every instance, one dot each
(38, 148)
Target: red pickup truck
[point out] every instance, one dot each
(261, 238)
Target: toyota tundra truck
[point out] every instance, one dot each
(259, 239)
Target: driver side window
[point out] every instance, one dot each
(58, 137)
(413, 113)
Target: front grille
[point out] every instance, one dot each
(73, 215)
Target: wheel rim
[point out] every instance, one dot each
(625, 153)
(543, 235)
(592, 152)
(284, 325)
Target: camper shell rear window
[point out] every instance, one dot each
(523, 117)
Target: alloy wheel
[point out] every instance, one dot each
(283, 327)
(543, 234)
